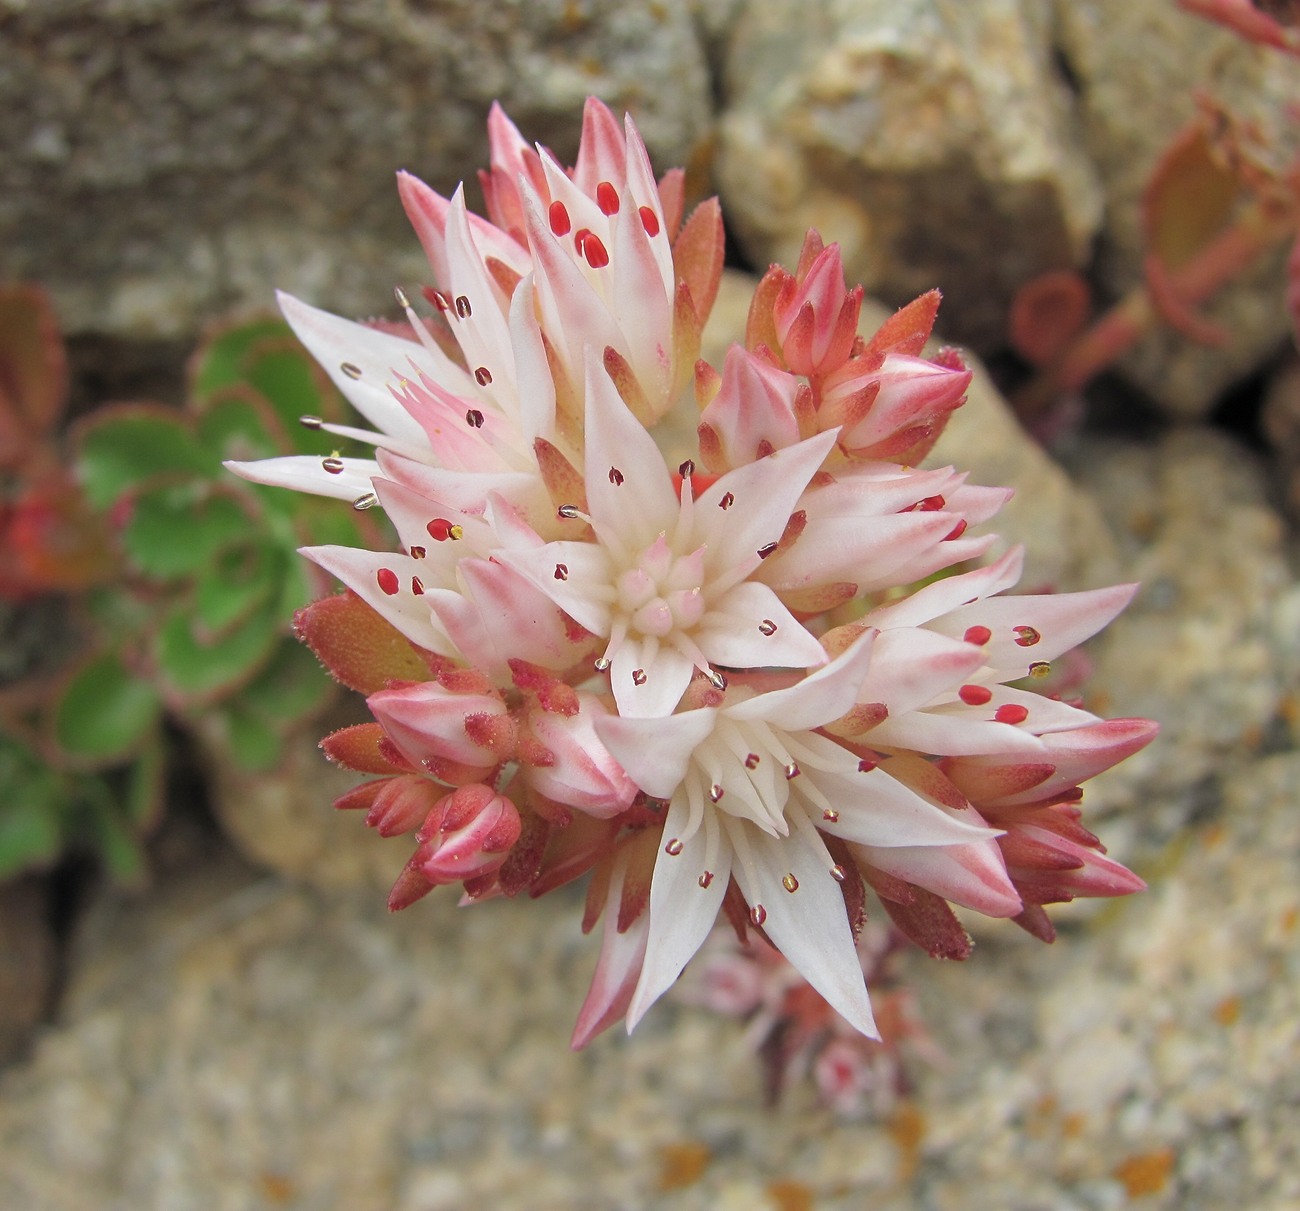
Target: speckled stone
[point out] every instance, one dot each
(166, 160)
(235, 1043)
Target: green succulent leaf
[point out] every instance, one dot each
(221, 360)
(254, 746)
(31, 809)
(124, 447)
(200, 665)
(235, 423)
(235, 582)
(176, 530)
(105, 712)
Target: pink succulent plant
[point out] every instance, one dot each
(586, 662)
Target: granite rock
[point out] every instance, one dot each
(167, 160)
(237, 1042)
(920, 135)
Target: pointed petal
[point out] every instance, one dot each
(567, 572)
(682, 912)
(648, 679)
(618, 969)
(950, 593)
(377, 358)
(735, 633)
(810, 925)
(304, 473)
(912, 666)
(370, 574)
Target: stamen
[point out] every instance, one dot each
(1026, 636)
(751, 762)
(649, 220)
(367, 500)
(388, 581)
(716, 679)
(440, 529)
(482, 376)
(350, 370)
(1011, 712)
(956, 532)
(979, 636)
(758, 914)
(310, 422)
(594, 251)
(686, 469)
(417, 586)
(865, 766)
(974, 695)
(767, 627)
(790, 883)
(1039, 669)
(674, 847)
(463, 309)
(716, 792)
(569, 512)
(838, 873)
(728, 499)
(766, 550)
(561, 571)
(417, 552)
(333, 465)
(615, 476)
(601, 664)
(638, 677)
(792, 771)
(559, 218)
(400, 295)
(607, 198)
(474, 418)
(831, 816)
(706, 878)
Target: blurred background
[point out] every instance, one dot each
(202, 1001)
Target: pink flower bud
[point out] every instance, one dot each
(817, 315)
(582, 774)
(468, 833)
(457, 736)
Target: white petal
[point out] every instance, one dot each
(912, 666)
(656, 752)
(681, 911)
(408, 612)
(764, 494)
(810, 925)
(629, 490)
(949, 593)
(820, 697)
(665, 675)
(585, 566)
(730, 634)
(304, 473)
(378, 357)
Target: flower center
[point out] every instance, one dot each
(661, 592)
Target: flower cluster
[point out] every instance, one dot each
(703, 684)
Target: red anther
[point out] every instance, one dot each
(638, 677)
(417, 586)
(615, 476)
(1027, 636)
(440, 529)
(1011, 712)
(929, 504)
(649, 220)
(866, 765)
(463, 308)
(956, 532)
(607, 198)
(474, 418)
(594, 251)
(578, 237)
(482, 376)
(561, 571)
(418, 552)
(975, 695)
(727, 501)
(560, 221)
(388, 580)
(979, 636)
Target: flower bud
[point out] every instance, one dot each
(468, 833)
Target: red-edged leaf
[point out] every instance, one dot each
(359, 648)
(1189, 198)
(1047, 312)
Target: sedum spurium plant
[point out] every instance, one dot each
(761, 682)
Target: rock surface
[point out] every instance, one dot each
(238, 1043)
(167, 160)
(919, 135)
